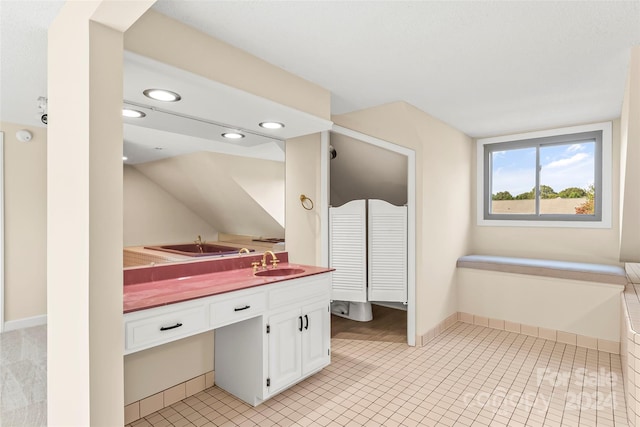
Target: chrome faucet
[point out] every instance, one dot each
(274, 259)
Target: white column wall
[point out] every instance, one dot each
(84, 213)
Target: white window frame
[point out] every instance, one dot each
(604, 222)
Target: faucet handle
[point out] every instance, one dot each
(255, 265)
(274, 262)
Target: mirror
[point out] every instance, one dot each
(184, 181)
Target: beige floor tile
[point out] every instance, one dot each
(470, 375)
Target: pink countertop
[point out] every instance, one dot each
(193, 267)
(155, 293)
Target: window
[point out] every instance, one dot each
(550, 178)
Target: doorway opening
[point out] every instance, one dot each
(362, 167)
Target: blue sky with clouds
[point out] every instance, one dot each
(563, 166)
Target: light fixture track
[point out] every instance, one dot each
(200, 119)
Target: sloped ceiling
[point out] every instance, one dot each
(233, 194)
(364, 171)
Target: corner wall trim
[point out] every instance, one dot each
(26, 322)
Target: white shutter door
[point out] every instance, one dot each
(348, 251)
(387, 252)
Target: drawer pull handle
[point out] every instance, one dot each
(300, 319)
(242, 308)
(306, 324)
(166, 328)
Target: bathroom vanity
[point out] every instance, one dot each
(272, 326)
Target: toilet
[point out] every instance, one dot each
(359, 311)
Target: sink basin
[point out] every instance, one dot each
(279, 272)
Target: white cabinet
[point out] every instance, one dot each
(316, 337)
(285, 351)
(298, 344)
(299, 325)
(281, 338)
(267, 337)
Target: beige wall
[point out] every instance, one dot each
(351, 177)
(568, 244)
(153, 216)
(629, 170)
(443, 155)
(25, 209)
(303, 227)
(520, 298)
(151, 371)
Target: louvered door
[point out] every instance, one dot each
(387, 243)
(348, 251)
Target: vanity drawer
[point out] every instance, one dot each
(300, 290)
(236, 308)
(163, 325)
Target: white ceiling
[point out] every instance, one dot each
(486, 68)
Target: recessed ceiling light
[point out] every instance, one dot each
(132, 114)
(233, 135)
(162, 95)
(271, 125)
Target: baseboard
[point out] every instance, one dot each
(27, 322)
(540, 332)
(141, 408)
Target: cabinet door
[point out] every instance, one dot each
(285, 340)
(316, 336)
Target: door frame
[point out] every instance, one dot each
(1, 232)
(411, 212)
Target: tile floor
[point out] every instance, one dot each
(23, 377)
(468, 376)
